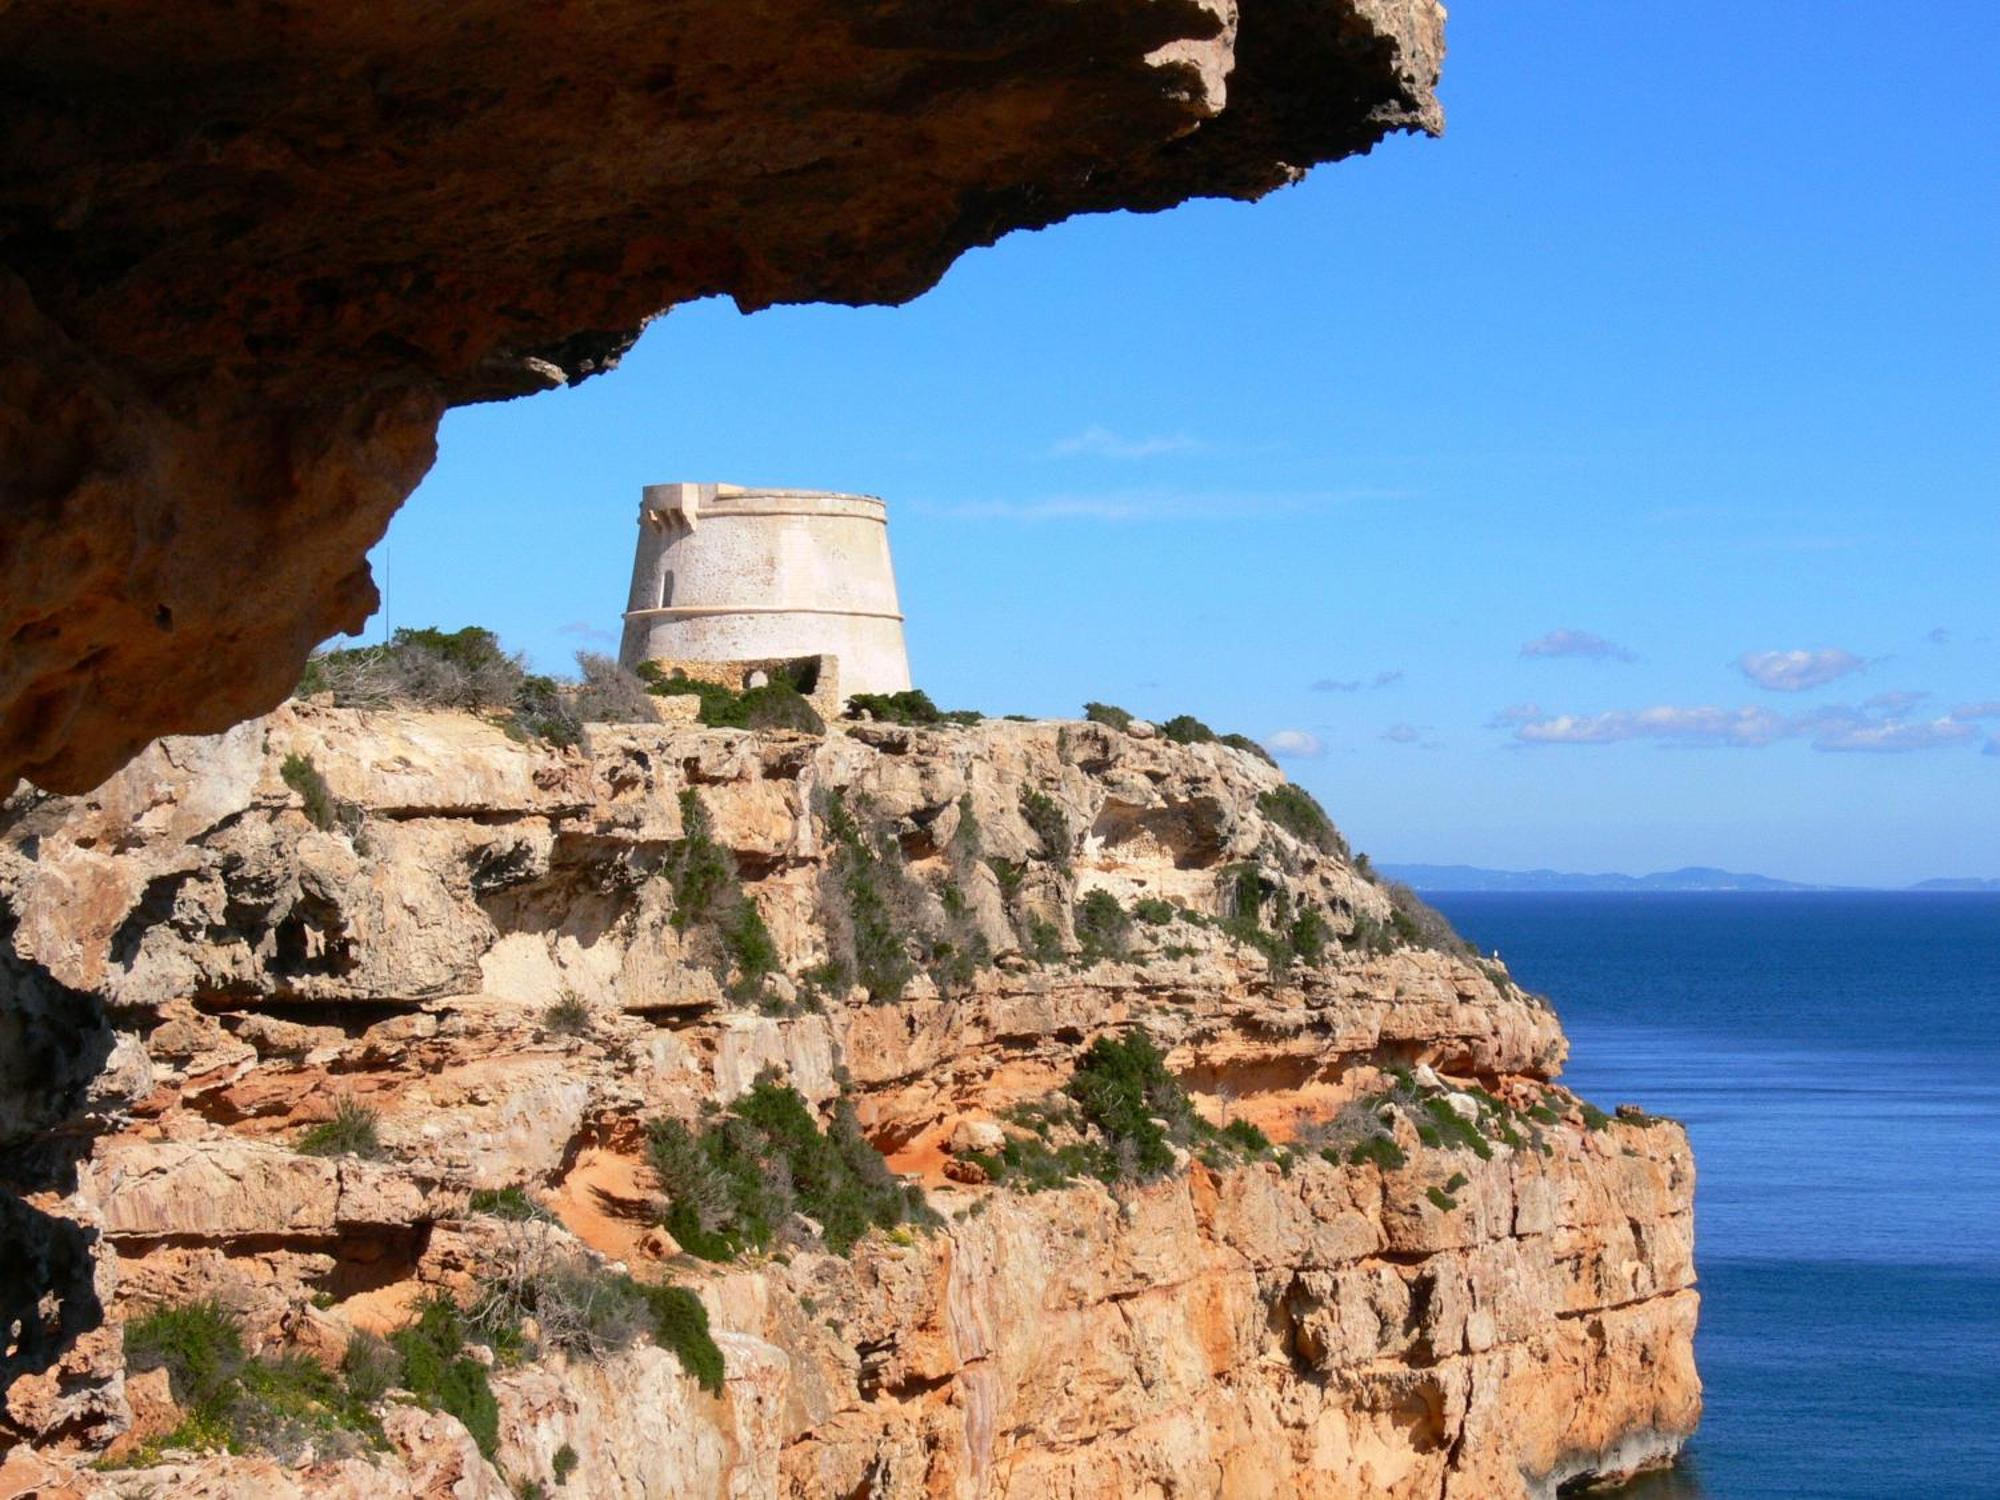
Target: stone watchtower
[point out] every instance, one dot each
(726, 574)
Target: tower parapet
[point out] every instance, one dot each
(725, 573)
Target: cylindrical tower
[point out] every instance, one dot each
(725, 573)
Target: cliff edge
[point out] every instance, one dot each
(1213, 1167)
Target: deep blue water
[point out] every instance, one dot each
(1836, 1059)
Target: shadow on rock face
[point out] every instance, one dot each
(47, 1297)
(54, 1044)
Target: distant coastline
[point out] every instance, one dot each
(1691, 878)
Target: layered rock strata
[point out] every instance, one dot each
(1453, 1324)
(247, 262)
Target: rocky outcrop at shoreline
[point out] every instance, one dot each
(1383, 1251)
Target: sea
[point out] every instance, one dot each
(1836, 1059)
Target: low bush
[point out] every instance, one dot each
(778, 703)
(710, 899)
(565, 1461)
(746, 1180)
(439, 1373)
(569, 1016)
(1419, 924)
(281, 1404)
(1049, 823)
(1103, 927)
(1298, 812)
(911, 706)
(1107, 713)
(512, 1203)
(609, 694)
(351, 1132)
(868, 902)
(1186, 729)
(303, 777)
(1155, 912)
(465, 669)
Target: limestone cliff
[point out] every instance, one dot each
(1489, 1312)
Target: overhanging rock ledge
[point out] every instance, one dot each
(247, 264)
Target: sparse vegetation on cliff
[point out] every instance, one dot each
(755, 1177)
(1107, 713)
(710, 900)
(1049, 823)
(775, 704)
(431, 668)
(351, 1132)
(1298, 812)
(280, 1404)
(1103, 927)
(1122, 1117)
(911, 706)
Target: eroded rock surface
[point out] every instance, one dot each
(1242, 1328)
(247, 262)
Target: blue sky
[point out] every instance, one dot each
(1673, 358)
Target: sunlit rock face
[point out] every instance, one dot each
(247, 262)
(1449, 1323)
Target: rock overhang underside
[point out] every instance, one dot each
(245, 266)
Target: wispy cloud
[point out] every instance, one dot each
(1515, 714)
(1970, 712)
(583, 630)
(1295, 744)
(1356, 684)
(1409, 734)
(1568, 642)
(1796, 671)
(1102, 442)
(1877, 727)
(1939, 636)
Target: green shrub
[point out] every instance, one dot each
(1186, 729)
(868, 903)
(351, 1132)
(1049, 823)
(440, 1374)
(1441, 1198)
(1381, 1150)
(778, 703)
(302, 776)
(680, 1323)
(569, 1016)
(1417, 923)
(737, 1184)
(1154, 912)
(279, 1404)
(198, 1344)
(1122, 1088)
(1594, 1119)
(1044, 942)
(750, 946)
(699, 869)
(911, 706)
(1308, 936)
(1246, 1137)
(563, 1464)
(512, 1203)
(1102, 926)
(1298, 812)
(371, 1367)
(1107, 713)
(609, 694)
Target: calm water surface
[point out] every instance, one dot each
(1837, 1061)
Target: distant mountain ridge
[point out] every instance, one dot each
(1691, 878)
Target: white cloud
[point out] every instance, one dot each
(1796, 671)
(1102, 442)
(1876, 727)
(1403, 734)
(1971, 712)
(1689, 726)
(1295, 744)
(1568, 642)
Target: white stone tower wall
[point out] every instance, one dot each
(725, 573)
